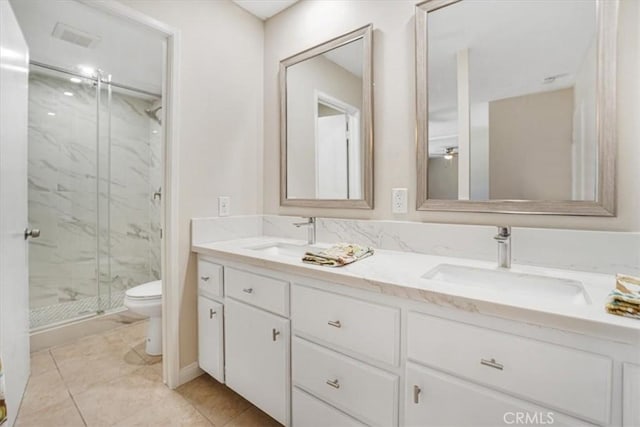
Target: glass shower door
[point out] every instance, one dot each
(62, 196)
(95, 174)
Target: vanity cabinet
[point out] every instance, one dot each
(211, 337)
(434, 398)
(311, 353)
(257, 357)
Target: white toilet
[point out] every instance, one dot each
(146, 299)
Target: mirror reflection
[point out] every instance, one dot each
(324, 96)
(512, 100)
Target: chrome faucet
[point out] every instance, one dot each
(311, 229)
(504, 246)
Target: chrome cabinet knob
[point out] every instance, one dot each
(34, 233)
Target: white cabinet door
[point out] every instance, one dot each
(14, 274)
(631, 395)
(257, 358)
(211, 337)
(437, 399)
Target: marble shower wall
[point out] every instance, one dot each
(63, 200)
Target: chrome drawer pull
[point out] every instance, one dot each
(335, 324)
(211, 313)
(416, 394)
(274, 333)
(491, 363)
(205, 278)
(248, 290)
(333, 383)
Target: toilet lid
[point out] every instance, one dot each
(146, 290)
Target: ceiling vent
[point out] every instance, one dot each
(73, 35)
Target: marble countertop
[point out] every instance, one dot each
(399, 274)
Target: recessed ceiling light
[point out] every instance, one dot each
(68, 93)
(51, 114)
(75, 80)
(154, 131)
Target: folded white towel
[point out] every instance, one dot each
(624, 300)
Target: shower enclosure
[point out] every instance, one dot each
(95, 176)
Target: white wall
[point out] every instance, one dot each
(220, 123)
(308, 23)
(530, 146)
(443, 178)
(479, 152)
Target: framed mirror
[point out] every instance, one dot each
(516, 106)
(326, 124)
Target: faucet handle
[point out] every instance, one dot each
(504, 230)
(504, 233)
(310, 221)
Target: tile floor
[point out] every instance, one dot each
(108, 380)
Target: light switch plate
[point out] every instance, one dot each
(399, 203)
(224, 206)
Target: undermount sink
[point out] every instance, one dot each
(511, 284)
(289, 250)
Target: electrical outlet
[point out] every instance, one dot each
(224, 206)
(399, 200)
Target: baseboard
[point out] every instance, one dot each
(71, 331)
(188, 373)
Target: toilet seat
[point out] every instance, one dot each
(146, 291)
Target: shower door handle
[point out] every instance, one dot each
(34, 233)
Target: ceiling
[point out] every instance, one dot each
(264, 9)
(513, 47)
(131, 54)
(348, 56)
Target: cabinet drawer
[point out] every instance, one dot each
(369, 329)
(311, 412)
(260, 291)
(436, 399)
(209, 278)
(367, 393)
(570, 380)
(211, 338)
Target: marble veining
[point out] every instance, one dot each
(581, 250)
(65, 160)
